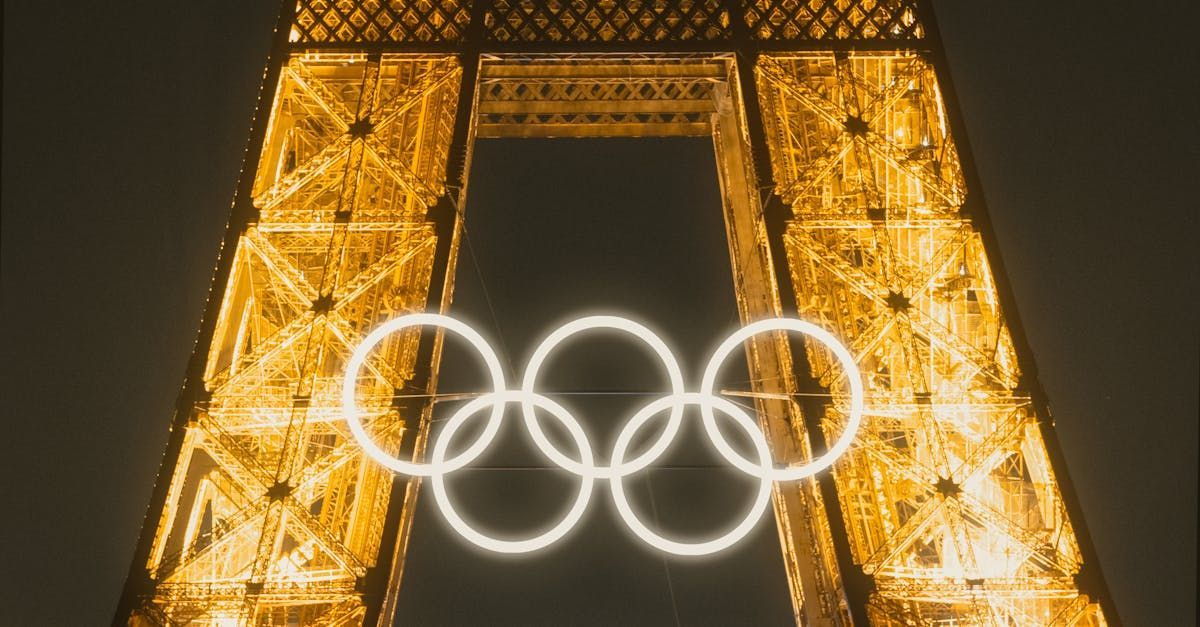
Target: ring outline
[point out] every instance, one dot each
(615, 323)
(853, 375)
(478, 538)
(706, 547)
(705, 399)
(350, 385)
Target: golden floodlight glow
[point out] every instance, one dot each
(586, 467)
(844, 189)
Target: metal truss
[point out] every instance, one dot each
(847, 201)
(274, 515)
(949, 498)
(598, 95)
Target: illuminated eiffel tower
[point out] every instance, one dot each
(850, 201)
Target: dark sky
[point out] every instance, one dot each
(123, 133)
(638, 232)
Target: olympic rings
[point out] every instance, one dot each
(585, 467)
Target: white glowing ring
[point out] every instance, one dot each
(350, 381)
(617, 324)
(844, 357)
(512, 546)
(586, 467)
(720, 542)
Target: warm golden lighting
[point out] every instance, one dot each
(948, 495)
(274, 509)
(944, 509)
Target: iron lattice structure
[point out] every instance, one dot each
(849, 200)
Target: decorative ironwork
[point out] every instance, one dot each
(822, 20)
(948, 509)
(370, 21)
(580, 21)
(598, 95)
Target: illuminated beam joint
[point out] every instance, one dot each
(265, 353)
(871, 287)
(181, 566)
(848, 120)
(302, 77)
(285, 274)
(347, 452)
(920, 521)
(413, 95)
(319, 165)
(236, 526)
(817, 104)
(272, 347)
(383, 267)
(395, 167)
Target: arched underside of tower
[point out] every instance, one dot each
(850, 201)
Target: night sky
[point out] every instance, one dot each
(124, 127)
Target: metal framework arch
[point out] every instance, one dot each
(850, 200)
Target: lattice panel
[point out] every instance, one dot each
(948, 495)
(312, 139)
(606, 21)
(274, 514)
(368, 21)
(860, 135)
(822, 20)
(598, 96)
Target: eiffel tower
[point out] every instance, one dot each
(850, 201)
